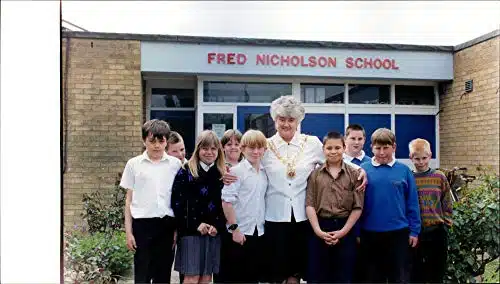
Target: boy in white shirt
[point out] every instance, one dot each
(149, 222)
(244, 207)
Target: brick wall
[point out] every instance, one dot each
(104, 116)
(469, 123)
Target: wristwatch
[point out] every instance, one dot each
(231, 228)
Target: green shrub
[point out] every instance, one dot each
(103, 214)
(491, 273)
(100, 257)
(474, 238)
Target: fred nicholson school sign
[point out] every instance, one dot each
(210, 59)
(301, 61)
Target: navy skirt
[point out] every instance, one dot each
(198, 255)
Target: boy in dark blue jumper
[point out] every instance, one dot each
(355, 137)
(390, 222)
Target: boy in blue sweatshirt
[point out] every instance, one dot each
(390, 222)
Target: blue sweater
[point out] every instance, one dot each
(358, 162)
(391, 199)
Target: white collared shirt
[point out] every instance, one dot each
(151, 185)
(247, 197)
(390, 164)
(284, 193)
(349, 158)
(206, 167)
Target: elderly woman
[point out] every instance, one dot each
(290, 158)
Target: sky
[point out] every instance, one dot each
(408, 22)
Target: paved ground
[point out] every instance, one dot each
(129, 279)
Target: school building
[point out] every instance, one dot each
(112, 83)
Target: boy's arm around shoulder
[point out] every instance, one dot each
(230, 192)
(359, 195)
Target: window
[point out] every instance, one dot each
(409, 127)
(218, 122)
(333, 94)
(244, 92)
(172, 98)
(415, 95)
(182, 122)
(369, 94)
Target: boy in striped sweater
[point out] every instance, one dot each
(430, 255)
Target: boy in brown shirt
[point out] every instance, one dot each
(332, 206)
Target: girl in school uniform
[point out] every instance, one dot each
(231, 145)
(196, 202)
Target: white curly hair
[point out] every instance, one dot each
(287, 106)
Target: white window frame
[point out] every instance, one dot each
(168, 82)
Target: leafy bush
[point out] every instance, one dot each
(103, 214)
(99, 258)
(474, 240)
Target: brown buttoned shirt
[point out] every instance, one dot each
(334, 197)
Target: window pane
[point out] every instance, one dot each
(182, 122)
(369, 94)
(415, 95)
(219, 122)
(262, 122)
(422, 126)
(244, 92)
(333, 94)
(161, 97)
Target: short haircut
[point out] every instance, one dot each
(419, 145)
(383, 136)
(158, 128)
(229, 134)
(174, 138)
(354, 127)
(254, 139)
(287, 106)
(334, 135)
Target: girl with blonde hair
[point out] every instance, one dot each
(196, 202)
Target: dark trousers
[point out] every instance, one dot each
(331, 264)
(154, 238)
(243, 263)
(359, 265)
(224, 267)
(429, 262)
(286, 249)
(386, 256)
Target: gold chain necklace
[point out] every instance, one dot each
(289, 163)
